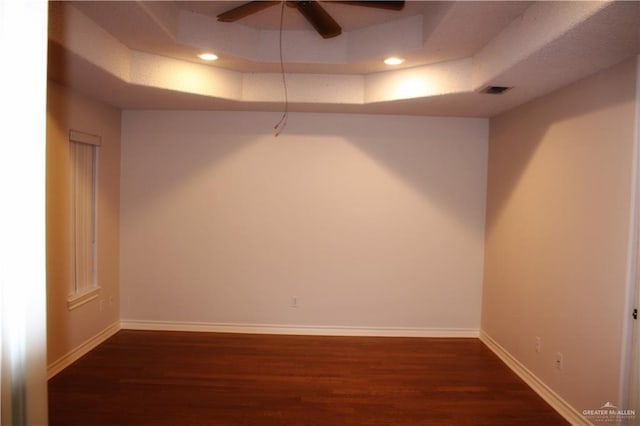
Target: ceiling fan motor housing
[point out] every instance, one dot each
(315, 14)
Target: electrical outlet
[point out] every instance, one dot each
(559, 361)
(538, 344)
(294, 302)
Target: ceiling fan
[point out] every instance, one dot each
(324, 24)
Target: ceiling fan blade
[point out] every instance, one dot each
(388, 5)
(245, 10)
(326, 26)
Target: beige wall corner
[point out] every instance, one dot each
(69, 329)
(557, 232)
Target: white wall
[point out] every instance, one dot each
(370, 221)
(558, 230)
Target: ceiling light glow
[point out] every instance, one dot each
(208, 56)
(393, 61)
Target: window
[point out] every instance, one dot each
(83, 153)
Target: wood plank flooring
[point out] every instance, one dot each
(178, 378)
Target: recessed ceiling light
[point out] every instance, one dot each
(393, 61)
(208, 56)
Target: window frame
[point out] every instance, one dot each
(83, 293)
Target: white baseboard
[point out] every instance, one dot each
(299, 330)
(66, 360)
(570, 414)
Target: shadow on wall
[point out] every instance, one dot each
(445, 165)
(180, 154)
(442, 162)
(533, 122)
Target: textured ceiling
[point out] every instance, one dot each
(143, 54)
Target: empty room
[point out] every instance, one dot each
(323, 213)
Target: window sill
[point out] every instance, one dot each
(79, 299)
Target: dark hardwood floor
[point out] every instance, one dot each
(177, 378)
